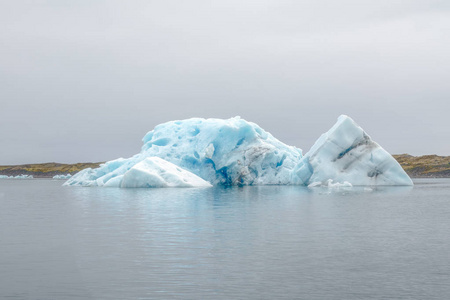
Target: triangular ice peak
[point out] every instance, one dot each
(347, 153)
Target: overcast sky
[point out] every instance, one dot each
(85, 80)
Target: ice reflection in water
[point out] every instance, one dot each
(267, 242)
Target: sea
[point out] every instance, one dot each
(254, 242)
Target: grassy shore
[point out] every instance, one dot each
(425, 166)
(415, 166)
(46, 170)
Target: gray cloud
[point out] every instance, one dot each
(85, 80)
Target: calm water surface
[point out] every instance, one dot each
(271, 242)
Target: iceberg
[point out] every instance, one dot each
(23, 176)
(62, 176)
(200, 152)
(222, 152)
(347, 154)
(17, 177)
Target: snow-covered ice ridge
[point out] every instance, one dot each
(237, 152)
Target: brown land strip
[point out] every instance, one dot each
(425, 166)
(45, 170)
(415, 166)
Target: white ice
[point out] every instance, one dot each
(157, 172)
(347, 154)
(330, 184)
(17, 177)
(62, 176)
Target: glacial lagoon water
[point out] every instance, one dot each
(269, 242)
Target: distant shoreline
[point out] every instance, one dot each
(46, 170)
(426, 166)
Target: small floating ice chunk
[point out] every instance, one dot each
(330, 184)
(315, 184)
(62, 176)
(23, 176)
